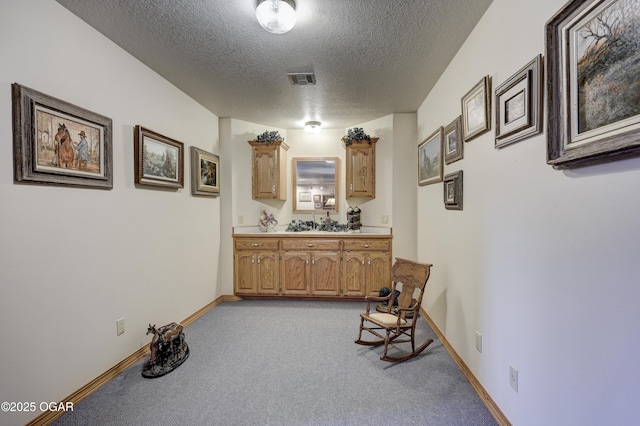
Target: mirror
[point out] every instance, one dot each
(315, 184)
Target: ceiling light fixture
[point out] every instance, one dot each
(276, 16)
(312, 126)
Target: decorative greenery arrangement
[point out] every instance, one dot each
(269, 137)
(356, 134)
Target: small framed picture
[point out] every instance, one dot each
(430, 163)
(519, 105)
(317, 198)
(205, 173)
(453, 143)
(476, 110)
(304, 197)
(453, 191)
(159, 160)
(58, 143)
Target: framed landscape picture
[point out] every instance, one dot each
(476, 110)
(159, 160)
(205, 173)
(430, 164)
(518, 103)
(57, 143)
(593, 82)
(453, 143)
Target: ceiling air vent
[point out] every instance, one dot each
(301, 78)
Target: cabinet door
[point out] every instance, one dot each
(268, 273)
(295, 273)
(361, 169)
(265, 172)
(244, 272)
(354, 274)
(325, 273)
(378, 271)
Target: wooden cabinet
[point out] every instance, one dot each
(256, 267)
(269, 170)
(366, 266)
(361, 169)
(311, 267)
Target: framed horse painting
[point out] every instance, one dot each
(57, 143)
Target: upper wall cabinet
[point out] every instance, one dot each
(361, 169)
(269, 170)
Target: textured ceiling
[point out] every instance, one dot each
(371, 58)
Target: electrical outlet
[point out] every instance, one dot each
(240, 219)
(385, 219)
(479, 341)
(120, 326)
(513, 377)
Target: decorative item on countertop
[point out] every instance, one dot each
(330, 225)
(357, 134)
(269, 137)
(353, 219)
(168, 350)
(266, 221)
(299, 226)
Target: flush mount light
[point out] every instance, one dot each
(276, 16)
(312, 127)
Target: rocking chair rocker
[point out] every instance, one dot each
(400, 320)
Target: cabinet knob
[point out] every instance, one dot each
(310, 245)
(256, 245)
(366, 245)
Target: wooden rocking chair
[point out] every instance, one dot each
(398, 320)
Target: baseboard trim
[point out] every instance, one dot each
(495, 411)
(48, 417)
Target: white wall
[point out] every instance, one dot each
(543, 263)
(72, 261)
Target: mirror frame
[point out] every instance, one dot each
(294, 186)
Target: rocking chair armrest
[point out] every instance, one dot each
(370, 299)
(413, 308)
(376, 298)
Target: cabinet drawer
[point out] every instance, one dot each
(299, 244)
(361, 244)
(256, 244)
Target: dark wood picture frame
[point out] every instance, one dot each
(453, 142)
(452, 188)
(476, 110)
(205, 173)
(592, 84)
(45, 131)
(159, 160)
(430, 161)
(518, 104)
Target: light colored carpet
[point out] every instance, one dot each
(270, 362)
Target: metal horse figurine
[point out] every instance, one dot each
(64, 147)
(168, 350)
